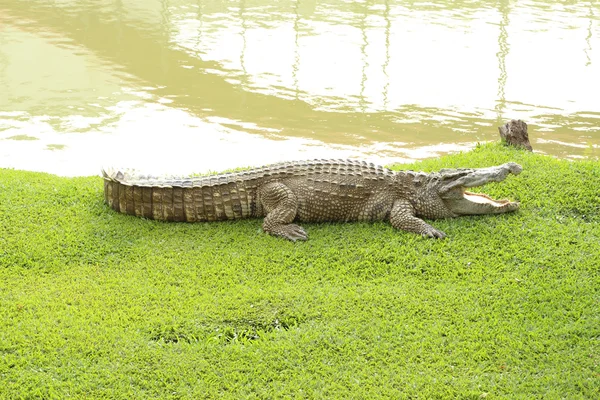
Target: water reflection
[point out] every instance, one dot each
(502, 53)
(376, 79)
(588, 38)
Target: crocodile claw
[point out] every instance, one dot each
(296, 232)
(291, 232)
(434, 233)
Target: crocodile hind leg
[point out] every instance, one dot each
(280, 205)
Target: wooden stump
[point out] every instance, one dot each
(515, 134)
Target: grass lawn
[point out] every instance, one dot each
(94, 304)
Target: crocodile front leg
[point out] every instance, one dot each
(403, 217)
(280, 205)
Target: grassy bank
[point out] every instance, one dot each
(95, 304)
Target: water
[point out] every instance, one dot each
(189, 86)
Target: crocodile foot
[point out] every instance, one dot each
(431, 232)
(291, 232)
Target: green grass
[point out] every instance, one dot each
(94, 304)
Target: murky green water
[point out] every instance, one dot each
(192, 85)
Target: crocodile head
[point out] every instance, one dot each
(449, 189)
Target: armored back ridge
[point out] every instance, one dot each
(311, 191)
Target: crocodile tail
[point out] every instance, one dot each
(122, 196)
(177, 199)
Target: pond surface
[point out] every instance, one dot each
(189, 86)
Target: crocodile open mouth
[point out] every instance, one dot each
(482, 198)
(463, 202)
(460, 201)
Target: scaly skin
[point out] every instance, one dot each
(311, 191)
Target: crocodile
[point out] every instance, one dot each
(311, 191)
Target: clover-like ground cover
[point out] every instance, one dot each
(94, 304)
